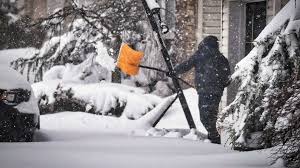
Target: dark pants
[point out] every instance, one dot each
(208, 107)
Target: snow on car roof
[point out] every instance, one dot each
(9, 55)
(11, 79)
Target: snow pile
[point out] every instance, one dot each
(266, 76)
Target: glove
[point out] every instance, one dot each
(168, 74)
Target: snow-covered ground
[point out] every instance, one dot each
(81, 140)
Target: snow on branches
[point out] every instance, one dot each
(83, 30)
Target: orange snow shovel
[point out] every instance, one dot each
(129, 60)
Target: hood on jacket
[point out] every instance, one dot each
(210, 42)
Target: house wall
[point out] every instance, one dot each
(209, 18)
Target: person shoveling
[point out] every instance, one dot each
(212, 73)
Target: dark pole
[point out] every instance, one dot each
(167, 59)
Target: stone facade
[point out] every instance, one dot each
(186, 26)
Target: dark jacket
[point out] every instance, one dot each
(212, 71)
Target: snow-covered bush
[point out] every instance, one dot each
(263, 113)
(79, 46)
(99, 98)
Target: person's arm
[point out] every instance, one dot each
(186, 65)
(197, 59)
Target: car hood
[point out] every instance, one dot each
(11, 79)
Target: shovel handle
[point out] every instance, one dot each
(166, 72)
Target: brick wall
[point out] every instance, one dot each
(35, 9)
(186, 12)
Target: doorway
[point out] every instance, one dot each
(256, 19)
(246, 20)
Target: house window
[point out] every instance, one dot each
(256, 14)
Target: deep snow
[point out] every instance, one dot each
(81, 140)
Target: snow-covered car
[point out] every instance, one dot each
(19, 113)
